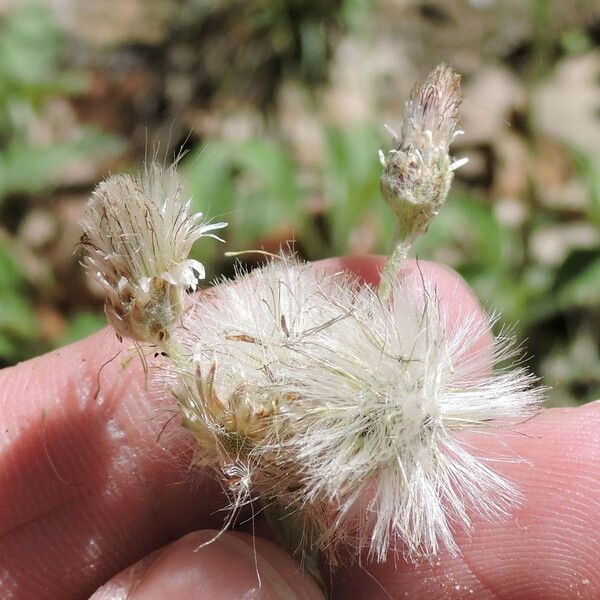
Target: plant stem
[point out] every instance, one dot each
(402, 245)
(297, 537)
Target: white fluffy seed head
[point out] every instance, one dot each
(239, 337)
(418, 171)
(378, 399)
(344, 408)
(138, 233)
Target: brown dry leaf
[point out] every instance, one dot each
(365, 237)
(512, 166)
(52, 323)
(299, 123)
(489, 99)
(462, 32)
(468, 33)
(555, 180)
(552, 244)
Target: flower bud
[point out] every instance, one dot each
(418, 172)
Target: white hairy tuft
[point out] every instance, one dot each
(343, 407)
(138, 233)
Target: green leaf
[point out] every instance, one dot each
(30, 45)
(17, 317)
(588, 167)
(268, 190)
(575, 41)
(19, 325)
(10, 275)
(208, 172)
(31, 48)
(350, 176)
(466, 229)
(30, 169)
(578, 280)
(252, 184)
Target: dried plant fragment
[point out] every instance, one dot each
(379, 397)
(341, 404)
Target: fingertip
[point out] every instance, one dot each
(546, 548)
(366, 268)
(449, 284)
(201, 565)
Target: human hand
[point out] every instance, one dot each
(88, 487)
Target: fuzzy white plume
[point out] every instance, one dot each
(138, 233)
(343, 407)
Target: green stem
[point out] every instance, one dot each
(297, 537)
(402, 246)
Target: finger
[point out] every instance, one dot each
(548, 549)
(231, 567)
(457, 299)
(86, 486)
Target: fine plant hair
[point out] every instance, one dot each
(418, 170)
(337, 405)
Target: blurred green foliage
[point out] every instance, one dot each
(258, 187)
(81, 324)
(30, 51)
(18, 323)
(31, 74)
(270, 198)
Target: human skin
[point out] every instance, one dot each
(93, 495)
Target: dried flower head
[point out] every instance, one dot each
(338, 402)
(378, 399)
(418, 171)
(343, 408)
(229, 392)
(138, 234)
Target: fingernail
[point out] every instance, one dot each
(278, 569)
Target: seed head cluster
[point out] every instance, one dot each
(342, 404)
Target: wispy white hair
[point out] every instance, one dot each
(138, 233)
(345, 408)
